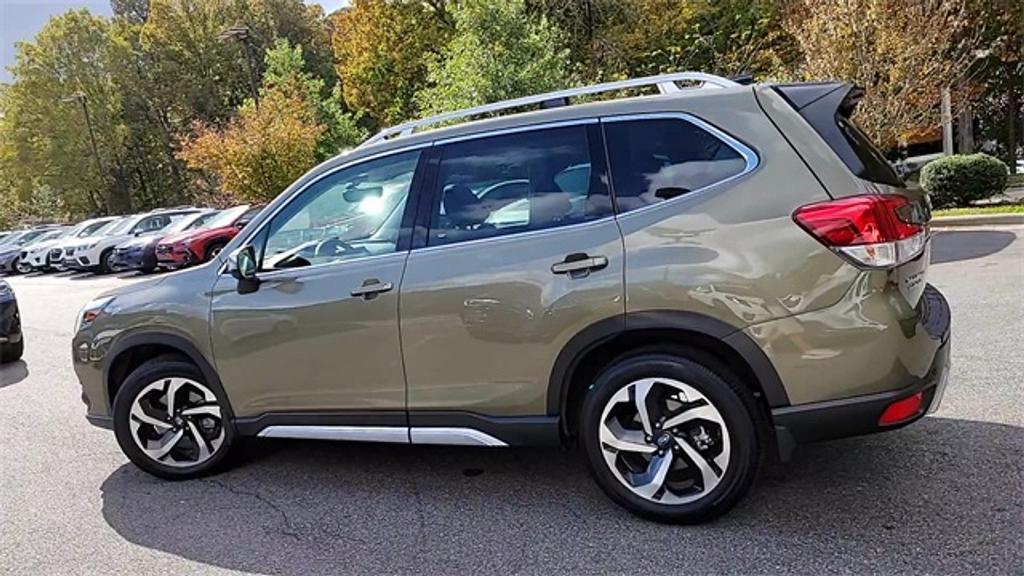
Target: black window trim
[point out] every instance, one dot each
(749, 155)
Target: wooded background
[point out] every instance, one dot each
(223, 101)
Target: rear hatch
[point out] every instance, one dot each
(881, 224)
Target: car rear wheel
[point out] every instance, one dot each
(669, 439)
(170, 422)
(12, 352)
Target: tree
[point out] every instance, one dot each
(71, 61)
(261, 151)
(381, 48)
(998, 90)
(498, 52)
(902, 52)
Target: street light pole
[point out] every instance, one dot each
(80, 97)
(244, 36)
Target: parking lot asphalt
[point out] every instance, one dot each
(944, 496)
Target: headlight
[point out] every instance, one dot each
(91, 311)
(5, 291)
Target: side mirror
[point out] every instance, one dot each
(242, 266)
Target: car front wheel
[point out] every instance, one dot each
(670, 439)
(170, 422)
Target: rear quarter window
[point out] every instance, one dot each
(654, 160)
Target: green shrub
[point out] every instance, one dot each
(962, 179)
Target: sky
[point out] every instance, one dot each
(20, 20)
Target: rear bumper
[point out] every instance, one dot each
(860, 414)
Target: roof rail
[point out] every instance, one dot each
(666, 84)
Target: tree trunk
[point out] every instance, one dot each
(1011, 127)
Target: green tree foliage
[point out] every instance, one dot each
(263, 149)
(381, 48)
(498, 52)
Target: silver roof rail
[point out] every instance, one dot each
(666, 84)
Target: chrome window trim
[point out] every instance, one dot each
(750, 156)
(249, 235)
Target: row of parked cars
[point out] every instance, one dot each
(168, 238)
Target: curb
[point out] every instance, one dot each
(978, 220)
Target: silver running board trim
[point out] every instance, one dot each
(388, 434)
(453, 437)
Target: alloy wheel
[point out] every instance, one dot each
(22, 267)
(177, 422)
(664, 440)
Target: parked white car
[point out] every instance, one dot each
(96, 252)
(48, 254)
(23, 266)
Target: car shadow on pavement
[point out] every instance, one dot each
(940, 496)
(951, 246)
(13, 373)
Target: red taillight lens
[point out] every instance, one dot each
(902, 410)
(875, 231)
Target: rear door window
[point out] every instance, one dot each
(653, 160)
(498, 185)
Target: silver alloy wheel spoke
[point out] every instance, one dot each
(640, 392)
(705, 412)
(204, 450)
(625, 450)
(614, 435)
(708, 476)
(139, 414)
(173, 385)
(206, 410)
(652, 481)
(166, 444)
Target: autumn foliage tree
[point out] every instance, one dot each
(902, 52)
(381, 48)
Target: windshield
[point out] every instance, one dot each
(106, 228)
(227, 217)
(191, 222)
(123, 226)
(10, 238)
(49, 236)
(30, 236)
(90, 228)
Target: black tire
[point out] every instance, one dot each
(213, 249)
(734, 402)
(104, 266)
(16, 267)
(12, 352)
(160, 368)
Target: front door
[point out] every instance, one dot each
(320, 332)
(522, 253)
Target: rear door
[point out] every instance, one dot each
(522, 253)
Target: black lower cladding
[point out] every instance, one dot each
(512, 430)
(10, 321)
(860, 414)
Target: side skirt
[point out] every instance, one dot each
(440, 428)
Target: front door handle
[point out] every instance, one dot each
(579, 264)
(371, 287)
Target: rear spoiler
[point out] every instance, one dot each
(827, 106)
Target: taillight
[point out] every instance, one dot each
(879, 231)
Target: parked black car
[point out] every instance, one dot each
(140, 253)
(11, 342)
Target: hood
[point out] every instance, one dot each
(190, 235)
(140, 241)
(136, 287)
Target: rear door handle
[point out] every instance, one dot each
(579, 264)
(371, 287)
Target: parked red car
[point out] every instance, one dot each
(196, 246)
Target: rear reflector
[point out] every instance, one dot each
(902, 410)
(879, 231)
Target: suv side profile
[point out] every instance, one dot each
(678, 283)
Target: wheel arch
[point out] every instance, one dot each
(594, 347)
(132, 351)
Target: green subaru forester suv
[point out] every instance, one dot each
(680, 283)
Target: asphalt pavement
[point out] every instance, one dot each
(944, 496)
